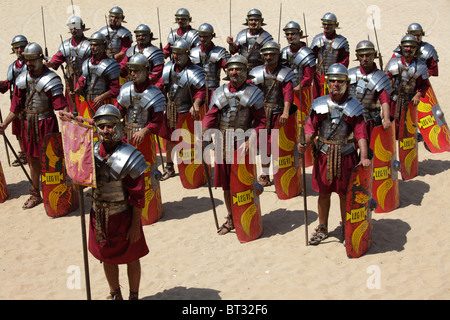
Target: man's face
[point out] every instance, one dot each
(19, 52)
(293, 38)
(409, 51)
(107, 132)
(366, 59)
(97, 49)
(237, 76)
(76, 32)
(337, 87)
(328, 28)
(182, 22)
(139, 76)
(254, 24)
(205, 40)
(271, 59)
(34, 65)
(180, 59)
(143, 38)
(115, 21)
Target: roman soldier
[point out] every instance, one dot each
(18, 45)
(426, 52)
(236, 105)
(299, 58)
(99, 81)
(119, 38)
(409, 76)
(210, 57)
(329, 48)
(336, 119)
(154, 55)
(184, 85)
(184, 31)
(38, 92)
(370, 86)
(73, 52)
(115, 229)
(250, 40)
(277, 83)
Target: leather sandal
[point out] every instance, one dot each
(264, 180)
(115, 295)
(226, 227)
(169, 172)
(320, 234)
(33, 200)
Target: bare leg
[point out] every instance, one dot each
(228, 225)
(112, 276)
(134, 278)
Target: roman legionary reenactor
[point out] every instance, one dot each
(336, 119)
(38, 92)
(329, 48)
(277, 83)
(115, 229)
(237, 105)
(73, 52)
(427, 53)
(143, 105)
(410, 83)
(119, 38)
(184, 85)
(184, 31)
(210, 57)
(154, 55)
(250, 40)
(18, 44)
(371, 86)
(409, 76)
(301, 59)
(99, 81)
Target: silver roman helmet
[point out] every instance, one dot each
(75, 22)
(180, 46)
(117, 12)
(205, 30)
(294, 27)
(330, 18)
(365, 47)
(33, 51)
(18, 41)
(254, 14)
(145, 30)
(97, 38)
(137, 62)
(415, 29)
(270, 47)
(237, 61)
(409, 40)
(338, 72)
(109, 114)
(183, 14)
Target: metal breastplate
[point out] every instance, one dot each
(39, 103)
(114, 38)
(178, 94)
(273, 93)
(327, 59)
(212, 72)
(191, 37)
(250, 46)
(359, 90)
(13, 72)
(230, 117)
(75, 55)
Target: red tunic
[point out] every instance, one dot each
(222, 171)
(319, 181)
(46, 126)
(5, 85)
(119, 250)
